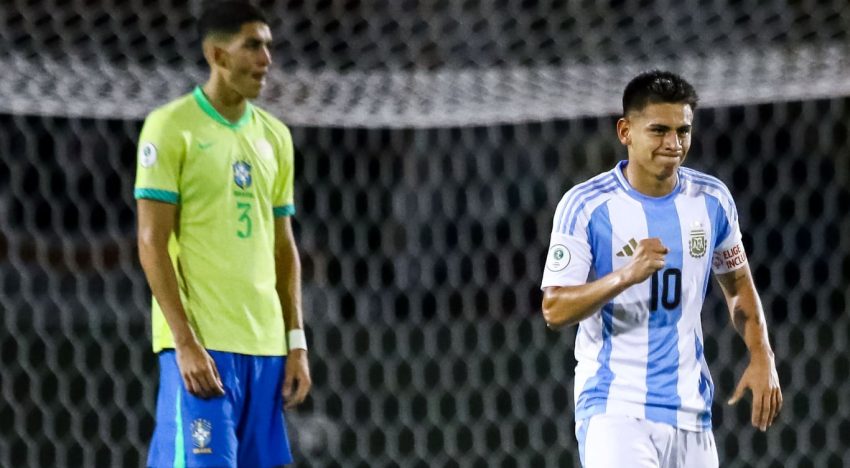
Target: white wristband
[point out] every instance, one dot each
(297, 339)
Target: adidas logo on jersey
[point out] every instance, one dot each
(628, 249)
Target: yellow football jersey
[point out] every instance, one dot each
(229, 180)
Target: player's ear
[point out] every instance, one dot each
(214, 53)
(624, 131)
(209, 51)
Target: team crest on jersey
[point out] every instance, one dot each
(558, 258)
(201, 435)
(242, 174)
(697, 244)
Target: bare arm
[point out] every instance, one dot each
(297, 382)
(568, 305)
(288, 271)
(155, 225)
(747, 317)
(746, 310)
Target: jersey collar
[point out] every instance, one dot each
(208, 109)
(621, 178)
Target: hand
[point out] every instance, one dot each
(761, 378)
(197, 367)
(647, 259)
(297, 383)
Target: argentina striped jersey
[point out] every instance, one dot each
(641, 355)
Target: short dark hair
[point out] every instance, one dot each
(657, 86)
(228, 17)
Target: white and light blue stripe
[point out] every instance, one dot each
(631, 360)
(576, 200)
(662, 372)
(594, 395)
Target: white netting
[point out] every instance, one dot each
(428, 63)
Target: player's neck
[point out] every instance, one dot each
(648, 184)
(228, 103)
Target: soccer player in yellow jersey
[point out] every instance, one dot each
(214, 186)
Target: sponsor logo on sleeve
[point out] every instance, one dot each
(558, 258)
(147, 155)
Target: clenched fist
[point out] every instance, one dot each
(647, 259)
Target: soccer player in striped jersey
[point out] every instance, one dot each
(214, 186)
(629, 262)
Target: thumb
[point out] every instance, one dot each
(739, 392)
(287, 386)
(216, 374)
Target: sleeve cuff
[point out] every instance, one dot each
(158, 195)
(285, 210)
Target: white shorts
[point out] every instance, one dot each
(614, 441)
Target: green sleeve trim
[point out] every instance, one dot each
(158, 195)
(285, 210)
(208, 109)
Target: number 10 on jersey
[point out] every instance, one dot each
(666, 288)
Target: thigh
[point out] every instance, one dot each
(697, 450)
(263, 442)
(613, 441)
(192, 431)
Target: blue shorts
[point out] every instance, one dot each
(244, 427)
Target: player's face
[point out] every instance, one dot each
(247, 59)
(658, 138)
